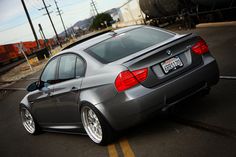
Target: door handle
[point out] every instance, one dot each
(47, 91)
(49, 94)
(74, 89)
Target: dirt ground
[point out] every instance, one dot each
(22, 71)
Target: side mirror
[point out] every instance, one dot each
(32, 87)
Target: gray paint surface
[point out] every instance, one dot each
(60, 108)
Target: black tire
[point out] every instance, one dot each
(108, 134)
(206, 91)
(36, 126)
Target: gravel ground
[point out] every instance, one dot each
(21, 71)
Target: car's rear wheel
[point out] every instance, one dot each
(95, 125)
(206, 91)
(28, 121)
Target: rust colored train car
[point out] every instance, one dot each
(10, 53)
(4, 58)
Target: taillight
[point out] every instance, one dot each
(141, 75)
(128, 79)
(200, 47)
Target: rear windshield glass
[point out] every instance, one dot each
(127, 43)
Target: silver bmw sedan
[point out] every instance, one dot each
(114, 80)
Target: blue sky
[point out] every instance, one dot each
(14, 26)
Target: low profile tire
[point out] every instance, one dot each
(206, 91)
(28, 121)
(96, 126)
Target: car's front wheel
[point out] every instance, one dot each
(28, 121)
(95, 125)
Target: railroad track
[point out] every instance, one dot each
(7, 67)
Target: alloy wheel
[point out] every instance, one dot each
(91, 124)
(28, 121)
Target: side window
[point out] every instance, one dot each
(49, 73)
(80, 68)
(67, 67)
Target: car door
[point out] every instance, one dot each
(42, 102)
(67, 92)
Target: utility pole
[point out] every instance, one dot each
(46, 43)
(41, 30)
(92, 11)
(31, 24)
(42, 35)
(94, 6)
(59, 13)
(73, 31)
(46, 8)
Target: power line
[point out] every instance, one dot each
(20, 24)
(30, 22)
(49, 16)
(72, 4)
(92, 12)
(37, 2)
(84, 9)
(59, 13)
(32, 4)
(37, 17)
(94, 8)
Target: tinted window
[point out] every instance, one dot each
(79, 67)
(127, 43)
(49, 73)
(67, 67)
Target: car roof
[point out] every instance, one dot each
(94, 38)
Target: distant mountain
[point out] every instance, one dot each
(113, 11)
(85, 24)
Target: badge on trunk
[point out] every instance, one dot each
(169, 52)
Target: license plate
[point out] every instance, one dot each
(172, 64)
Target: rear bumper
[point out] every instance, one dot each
(134, 105)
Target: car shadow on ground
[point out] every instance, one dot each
(200, 108)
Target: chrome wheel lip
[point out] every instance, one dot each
(27, 121)
(91, 124)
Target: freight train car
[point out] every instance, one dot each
(29, 47)
(190, 11)
(10, 53)
(4, 58)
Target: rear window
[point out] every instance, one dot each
(127, 43)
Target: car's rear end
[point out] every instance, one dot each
(158, 73)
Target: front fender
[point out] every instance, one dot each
(25, 102)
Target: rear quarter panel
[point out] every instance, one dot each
(98, 85)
